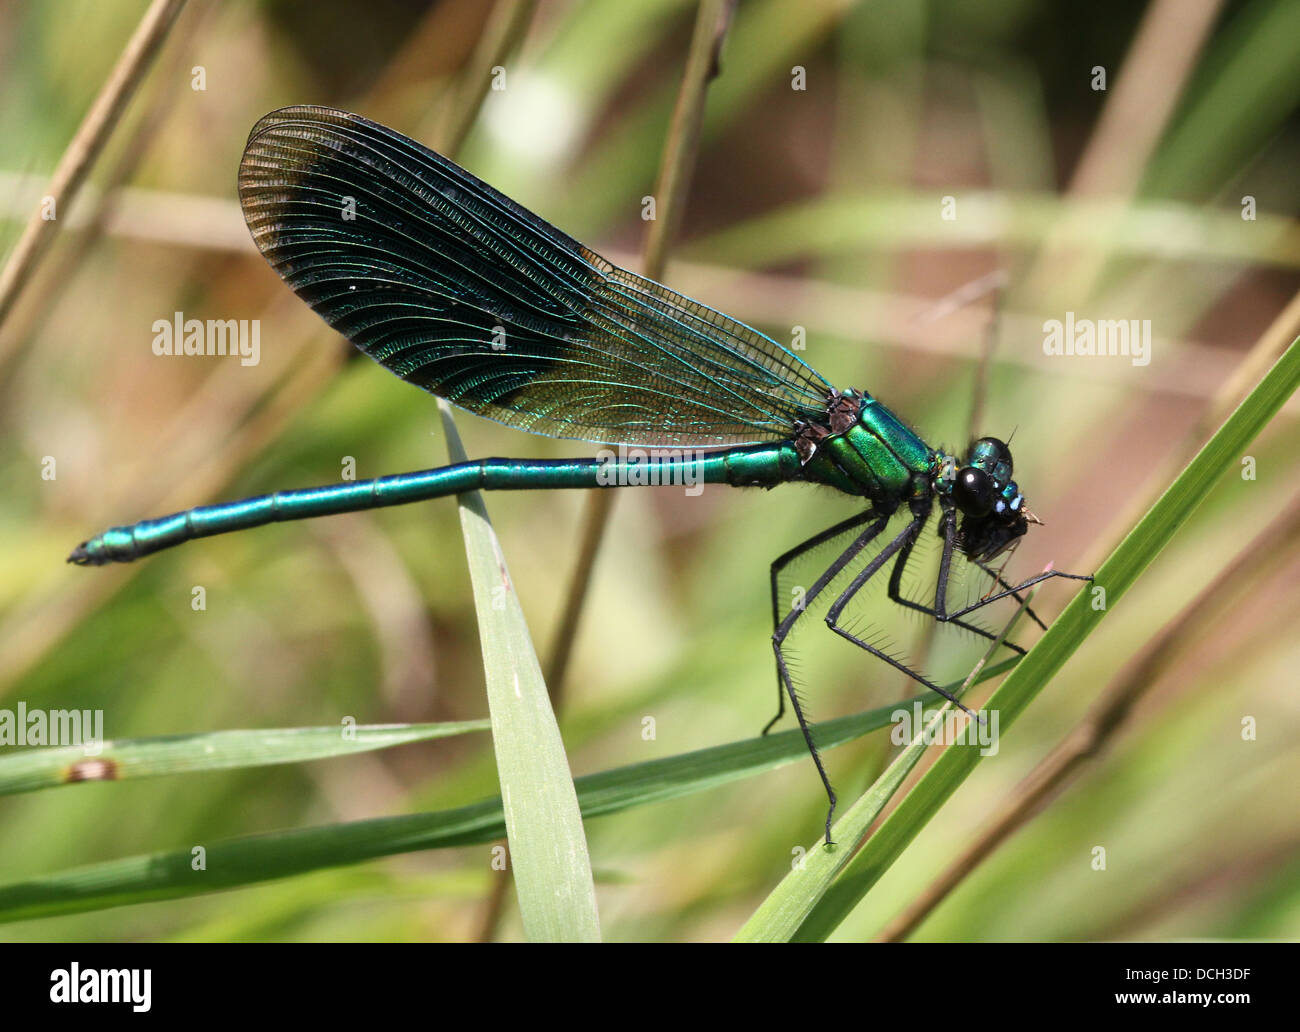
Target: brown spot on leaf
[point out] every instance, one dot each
(92, 770)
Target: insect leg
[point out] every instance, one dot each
(896, 595)
(783, 630)
(779, 564)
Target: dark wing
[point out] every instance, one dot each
(459, 290)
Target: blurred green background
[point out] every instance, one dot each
(817, 207)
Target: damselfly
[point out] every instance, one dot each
(460, 291)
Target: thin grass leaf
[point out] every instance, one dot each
(157, 756)
(1066, 634)
(239, 862)
(548, 847)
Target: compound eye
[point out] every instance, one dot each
(997, 448)
(973, 492)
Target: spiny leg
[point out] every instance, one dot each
(997, 579)
(779, 564)
(945, 564)
(1011, 591)
(896, 595)
(787, 624)
(920, 513)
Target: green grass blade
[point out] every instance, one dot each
(235, 863)
(1031, 675)
(548, 847)
(157, 756)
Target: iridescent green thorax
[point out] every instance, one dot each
(862, 448)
